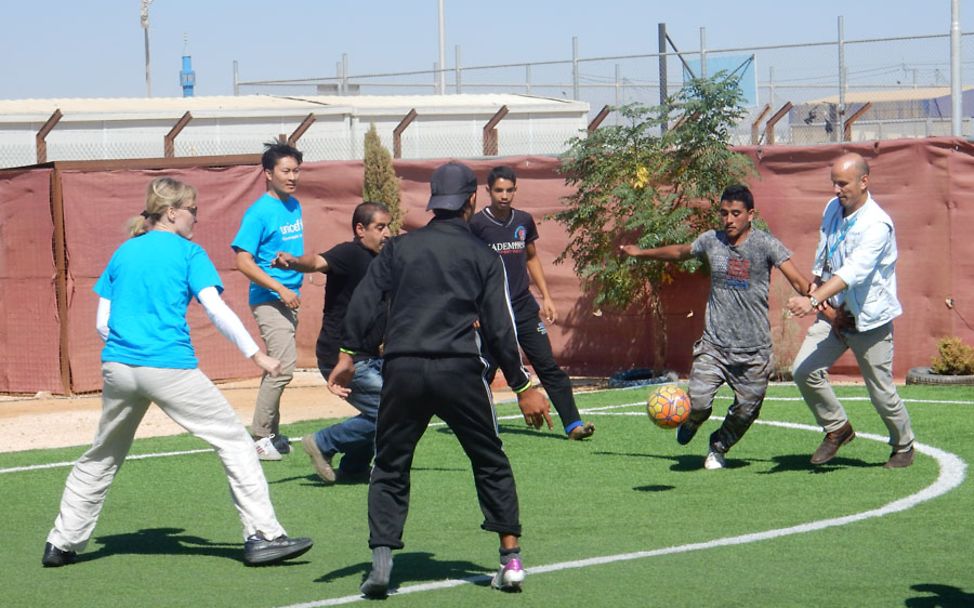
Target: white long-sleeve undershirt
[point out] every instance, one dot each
(224, 319)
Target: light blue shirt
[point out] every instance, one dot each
(861, 250)
(269, 226)
(150, 281)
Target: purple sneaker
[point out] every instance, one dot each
(509, 576)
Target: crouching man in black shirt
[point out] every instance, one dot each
(439, 280)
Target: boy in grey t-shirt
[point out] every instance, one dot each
(736, 344)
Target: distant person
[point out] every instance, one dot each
(512, 233)
(854, 295)
(273, 223)
(148, 357)
(439, 280)
(736, 344)
(345, 266)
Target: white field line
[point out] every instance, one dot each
(594, 410)
(952, 472)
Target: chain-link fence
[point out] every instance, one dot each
(800, 94)
(902, 85)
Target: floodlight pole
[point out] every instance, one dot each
(956, 105)
(441, 74)
(145, 30)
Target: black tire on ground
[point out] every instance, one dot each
(923, 375)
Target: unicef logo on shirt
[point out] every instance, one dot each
(520, 233)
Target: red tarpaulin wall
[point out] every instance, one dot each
(28, 304)
(925, 185)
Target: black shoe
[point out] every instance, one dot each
(374, 588)
(55, 558)
(282, 443)
(259, 551)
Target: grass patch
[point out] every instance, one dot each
(169, 536)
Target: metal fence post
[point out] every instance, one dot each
(575, 94)
(40, 141)
(840, 113)
(490, 132)
(169, 141)
(397, 132)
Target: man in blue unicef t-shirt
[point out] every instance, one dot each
(272, 224)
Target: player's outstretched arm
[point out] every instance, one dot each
(267, 363)
(232, 328)
(795, 277)
(309, 262)
(250, 269)
(667, 253)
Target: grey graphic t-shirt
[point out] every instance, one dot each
(737, 310)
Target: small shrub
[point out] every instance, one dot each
(955, 358)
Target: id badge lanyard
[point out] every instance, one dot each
(842, 229)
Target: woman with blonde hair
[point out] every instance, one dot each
(148, 357)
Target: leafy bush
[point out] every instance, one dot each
(955, 358)
(654, 179)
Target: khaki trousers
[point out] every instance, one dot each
(277, 324)
(874, 352)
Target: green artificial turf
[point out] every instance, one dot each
(169, 536)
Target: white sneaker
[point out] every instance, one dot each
(266, 450)
(509, 577)
(715, 460)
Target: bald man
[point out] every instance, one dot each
(854, 297)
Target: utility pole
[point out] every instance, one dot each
(145, 30)
(441, 74)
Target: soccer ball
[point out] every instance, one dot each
(668, 406)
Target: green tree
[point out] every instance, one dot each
(655, 179)
(380, 183)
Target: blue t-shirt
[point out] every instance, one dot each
(269, 226)
(150, 281)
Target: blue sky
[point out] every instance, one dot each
(94, 48)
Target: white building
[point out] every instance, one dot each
(444, 126)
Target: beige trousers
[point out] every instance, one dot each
(277, 324)
(192, 401)
(874, 352)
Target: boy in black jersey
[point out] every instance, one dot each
(512, 233)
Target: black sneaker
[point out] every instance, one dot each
(282, 443)
(686, 431)
(258, 551)
(55, 558)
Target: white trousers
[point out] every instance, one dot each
(192, 401)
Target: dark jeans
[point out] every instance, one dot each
(355, 437)
(454, 389)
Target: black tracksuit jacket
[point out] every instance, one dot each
(438, 281)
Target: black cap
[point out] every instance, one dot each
(451, 186)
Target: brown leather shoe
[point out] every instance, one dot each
(900, 460)
(833, 441)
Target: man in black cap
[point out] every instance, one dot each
(439, 280)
